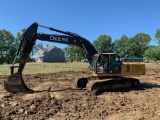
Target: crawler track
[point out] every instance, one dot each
(111, 84)
(93, 83)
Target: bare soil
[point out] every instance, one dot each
(57, 98)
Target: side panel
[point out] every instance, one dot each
(128, 69)
(133, 68)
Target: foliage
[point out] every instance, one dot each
(102, 43)
(157, 35)
(121, 45)
(153, 53)
(74, 53)
(136, 46)
(126, 47)
(132, 47)
(10, 44)
(7, 46)
(139, 43)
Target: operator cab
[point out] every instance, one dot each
(107, 63)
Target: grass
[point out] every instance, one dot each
(33, 68)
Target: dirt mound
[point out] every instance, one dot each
(56, 98)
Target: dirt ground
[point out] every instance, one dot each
(56, 98)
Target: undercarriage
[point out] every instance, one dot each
(105, 84)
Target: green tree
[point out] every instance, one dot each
(74, 53)
(19, 37)
(121, 45)
(157, 35)
(138, 44)
(102, 43)
(7, 46)
(153, 53)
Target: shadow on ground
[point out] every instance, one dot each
(142, 86)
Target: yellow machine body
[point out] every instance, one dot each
(129, 67)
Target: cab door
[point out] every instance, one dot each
(115, 64)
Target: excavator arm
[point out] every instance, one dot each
(15, 82)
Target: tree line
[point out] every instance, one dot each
(138, 46)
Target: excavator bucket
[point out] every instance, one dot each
(15, 84)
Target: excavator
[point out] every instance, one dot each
(109, 71)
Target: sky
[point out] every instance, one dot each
(88, 18)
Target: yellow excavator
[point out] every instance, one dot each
(109, 70)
